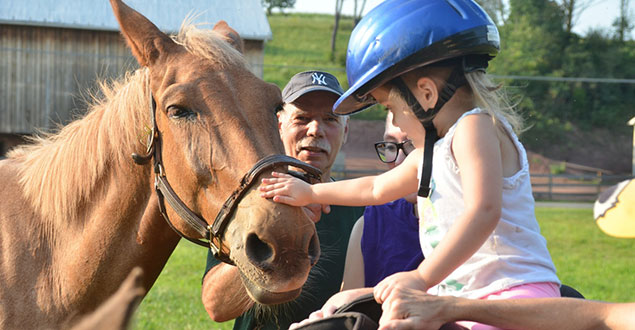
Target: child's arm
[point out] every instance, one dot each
(369, 190)
(476, 149)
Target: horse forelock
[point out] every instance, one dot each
(60, 170)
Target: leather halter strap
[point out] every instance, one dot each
(213, 233)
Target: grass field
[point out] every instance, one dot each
(302, 42)
(599, 266)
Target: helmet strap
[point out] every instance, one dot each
(426, 166)
(456, 80)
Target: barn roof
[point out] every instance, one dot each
(245, 16)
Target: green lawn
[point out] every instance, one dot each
(599, 266)
(174, 302)
(303, 42)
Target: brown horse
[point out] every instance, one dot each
(77, 214)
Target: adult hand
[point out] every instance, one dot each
(314, 211)
(286, 189)
(407, 308)
(336, 301)
(317, 315)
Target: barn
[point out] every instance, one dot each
(53, 51)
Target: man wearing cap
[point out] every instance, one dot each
(311, 133)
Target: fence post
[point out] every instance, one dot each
(550, 186)
(632, 123)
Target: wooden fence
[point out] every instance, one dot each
(549, 187)
(572, 187)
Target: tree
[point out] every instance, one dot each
(623, 23)
(496, 9)
(532, 41)
(535, 42)
(357, 14)
(572, 11)
(280, 4)
(532, 38)
(338, 14)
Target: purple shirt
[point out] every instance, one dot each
(390, 241)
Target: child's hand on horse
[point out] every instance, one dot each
(286, 189)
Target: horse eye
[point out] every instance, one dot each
(178, 112)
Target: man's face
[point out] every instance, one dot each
(310, 131)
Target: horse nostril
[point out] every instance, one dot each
(314, 249)
(257, 250)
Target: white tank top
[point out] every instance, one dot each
(514, 254)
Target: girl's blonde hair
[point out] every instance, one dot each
(494, 99)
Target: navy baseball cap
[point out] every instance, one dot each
(310, 81)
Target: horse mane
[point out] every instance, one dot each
(60, 171)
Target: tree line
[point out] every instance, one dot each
(537, 40)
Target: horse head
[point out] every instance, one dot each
(213, 120)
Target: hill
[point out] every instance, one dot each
(302, 42)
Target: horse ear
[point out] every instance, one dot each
(145, 40)
(230, 35)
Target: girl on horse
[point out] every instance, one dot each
(425, 61)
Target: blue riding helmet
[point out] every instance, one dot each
(401, 35)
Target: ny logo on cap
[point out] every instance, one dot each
(319, 79)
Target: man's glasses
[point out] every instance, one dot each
(388, 151)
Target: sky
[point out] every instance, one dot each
(600, 15)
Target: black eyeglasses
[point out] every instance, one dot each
(388, 151)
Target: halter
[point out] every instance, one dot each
(213, 233)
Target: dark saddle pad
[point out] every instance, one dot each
(360, 314)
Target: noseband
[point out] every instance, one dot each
(213, 233)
